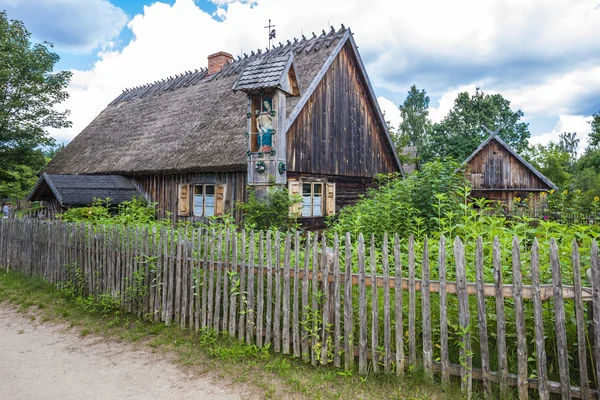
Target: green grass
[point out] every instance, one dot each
(265, 373)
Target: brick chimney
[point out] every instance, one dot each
(217, 61)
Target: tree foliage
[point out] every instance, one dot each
(270, 213)
(594, 137)
(29, 92)
(415, 125)
(460, 132)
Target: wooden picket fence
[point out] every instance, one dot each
(299, 295)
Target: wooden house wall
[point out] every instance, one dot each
(338, 131)
(496, 168)
(163, 189)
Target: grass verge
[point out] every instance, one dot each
(266, 374)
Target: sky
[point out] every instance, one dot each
(542, 55)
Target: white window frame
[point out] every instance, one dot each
(204, 197)
(312, 199)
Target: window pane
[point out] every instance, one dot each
(209, 197)
(318, 200)
(198, 201)
(306, 189)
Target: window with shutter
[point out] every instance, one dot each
(184, 200)
(330, 205)
(294, 190)
(220, 199)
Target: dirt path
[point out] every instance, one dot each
(47, 361)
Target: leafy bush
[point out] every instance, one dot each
(403, 205)
(271, 213)
(134, 212)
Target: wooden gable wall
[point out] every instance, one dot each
(494, 167)
(338, 131)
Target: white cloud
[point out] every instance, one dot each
(71, 25)
(391, 111)
(567, 123)
(401, 43)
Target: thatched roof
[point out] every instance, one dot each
(190, 123)
(77, 190)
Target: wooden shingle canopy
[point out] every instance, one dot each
(269, 72)
(80, 190)
(495, 166)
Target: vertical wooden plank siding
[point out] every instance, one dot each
(540, 345)
(559, 320)
(580, 320)
(464, 319)
(500, 320)
(482, 319)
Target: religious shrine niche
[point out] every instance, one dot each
(262, 126)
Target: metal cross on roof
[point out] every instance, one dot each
(271, 32)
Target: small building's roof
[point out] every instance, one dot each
(494, 136)
(267, 73)
(78, 190)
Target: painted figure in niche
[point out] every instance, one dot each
(264, 123)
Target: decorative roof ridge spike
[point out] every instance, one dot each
(342, 28)
(332, 29)
(251, 53)
(303, 37)
(314, 36)
(324, 33)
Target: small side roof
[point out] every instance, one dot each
(78, 190)
(269, 72)
(494, 136)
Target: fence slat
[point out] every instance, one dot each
(387, 345)
(211, 280)
(398, 308)
(580, 318)
(500, 320)
(348, 323)
(250, 312)
(305, 327)
(595, 264)
(523, 386)
(198, 282)
(559, 320)
(178, 275)
(412, 300)
(326, 299)
(337, 302)
(374, 310)
(540, 346)
(464, 319)
(218, 265)
(482, 319)
(426, 312)
(242, 294)
(444, 356)
(235, 288)
(269, 316)
(277, 312)
(260, 292)
(185, 278)
(207, 244)
(285, 334)
(296, 294)
(362, 307)
(226, 269)
(315, 298)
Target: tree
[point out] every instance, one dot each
(594, 137)
(460, 132)
(568, 143)
(554, 162)
(29, 92)
(415, 123)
